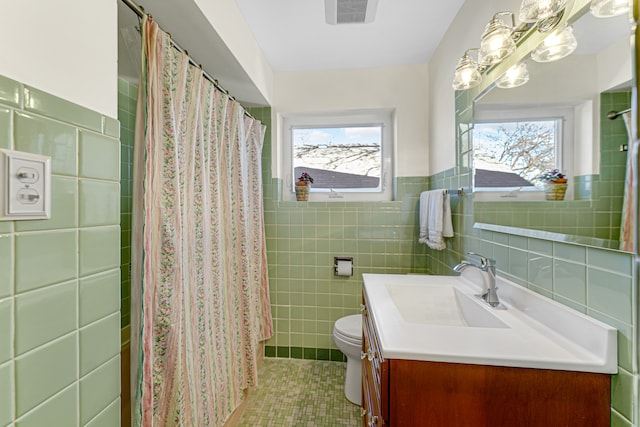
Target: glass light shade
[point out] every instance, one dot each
(515, 76)
(556, 46)
(467, 74)
(538, 10)
(496, 43)
(609, 8)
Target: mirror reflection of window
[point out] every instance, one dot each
(513, 154)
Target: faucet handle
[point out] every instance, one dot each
(484, 261)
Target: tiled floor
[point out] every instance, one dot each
(301, 393)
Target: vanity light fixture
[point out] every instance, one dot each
(515, 76)
(496, 43)
(557, 45)
(545, 13)
(467, 74)
(609, 8)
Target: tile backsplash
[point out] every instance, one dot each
(60, 278)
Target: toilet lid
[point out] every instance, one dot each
(350, 326)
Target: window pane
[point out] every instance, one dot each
(347, 157)
(514, 154)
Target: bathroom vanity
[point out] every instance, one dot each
(435, 355)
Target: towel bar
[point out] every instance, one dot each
(458, 191)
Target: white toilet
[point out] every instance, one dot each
(347, 334)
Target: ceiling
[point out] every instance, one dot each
(293, 35)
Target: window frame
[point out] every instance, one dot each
(339, 119)
(564, 147)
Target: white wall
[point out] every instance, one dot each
(401, 88)
(614, 66)
(226, 19)
(67, 48)
(570, 81)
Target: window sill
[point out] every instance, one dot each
(339, 202)
(513, 195)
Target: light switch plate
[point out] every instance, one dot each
(25, 185)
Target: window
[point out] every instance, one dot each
(514, 154)
(510, 153)
(348, 155)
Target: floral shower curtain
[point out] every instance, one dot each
(200, 298)
(627, 224)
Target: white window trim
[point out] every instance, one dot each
(340, 119)
(564, 162)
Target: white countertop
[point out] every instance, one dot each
(539, 333)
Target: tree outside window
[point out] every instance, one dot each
(514, 153)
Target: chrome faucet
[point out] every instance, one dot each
(488, 266)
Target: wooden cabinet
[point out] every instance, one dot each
(407, 393)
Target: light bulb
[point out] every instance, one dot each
(555, 46)
(532, 11)
(496, 43)
(467, 74)
(515, 76)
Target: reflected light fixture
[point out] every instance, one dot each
(545, 13)
(609, 8)
(556, 45)
(515, 76)
(467, 74)
(496, 43)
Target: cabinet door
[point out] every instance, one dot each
(437, 394)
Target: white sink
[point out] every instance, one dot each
(441, 305)
(440, 319)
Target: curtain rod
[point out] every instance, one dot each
(139, 10)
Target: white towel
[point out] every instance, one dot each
(435, 219)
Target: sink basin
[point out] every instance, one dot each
(439, 318)
(441, 305)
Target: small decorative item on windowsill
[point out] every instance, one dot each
(302, 187)
(555, 184)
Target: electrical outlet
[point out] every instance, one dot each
(25, 186)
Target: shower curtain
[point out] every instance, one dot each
(200, 297)
(627, 223)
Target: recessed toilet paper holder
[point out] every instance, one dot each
(341, 261)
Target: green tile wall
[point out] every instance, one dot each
(599, 282)
(127, 98)
(303, 238)
(59, 278)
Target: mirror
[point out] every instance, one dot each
(578, 91)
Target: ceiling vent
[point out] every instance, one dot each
(350, 11)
